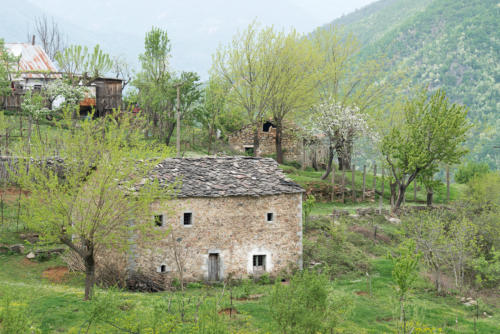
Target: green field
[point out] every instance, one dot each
(55, 305)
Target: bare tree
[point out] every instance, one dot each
(179, 253)
(48, 34)
(121, 69)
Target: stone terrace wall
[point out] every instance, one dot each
(236, 228)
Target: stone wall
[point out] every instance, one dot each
(235, 228)
(314, 153)
(291, 145)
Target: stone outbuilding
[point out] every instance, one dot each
(231, 217)
(308, 152)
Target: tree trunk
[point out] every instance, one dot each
(256, 139)
(279, 136)
(89, 275)
(344, 150)
(170, 132)
(210, 135)
(331, 152)
(430, 195)
(401, 196)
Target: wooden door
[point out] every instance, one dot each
(213, 267)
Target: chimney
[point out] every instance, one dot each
(33, 40)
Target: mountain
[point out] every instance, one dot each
(449, 44)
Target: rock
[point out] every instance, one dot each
(31, 255)
(17, 248)
(4, 249)
(394, 220)
(30, 237)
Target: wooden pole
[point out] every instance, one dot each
(447, 183)
(353, 173)
(343, 185)
(374, 187)
(178, 121)
(415, 190)
(333, 182)
(381, 197)
(364, 183)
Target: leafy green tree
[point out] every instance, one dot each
(80, 64)
(249, 66)
(404, 274)
(156, 85)
(295, 88)
(7, 70)
(431, 131)
(214, 103)
(469, 170)
(96, 193)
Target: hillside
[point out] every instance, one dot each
(447, 44)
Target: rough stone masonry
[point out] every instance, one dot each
(232, 216)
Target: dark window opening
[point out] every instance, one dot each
(188, 218)
(249, 150)
(267, 126)
(259, 262)
(270, 216)
(159, 220)
(163, 268)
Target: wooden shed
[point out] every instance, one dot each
(108, 94)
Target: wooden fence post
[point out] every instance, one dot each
(353, 173)
(364, 183)
(447, 183)
(374, 187)
(343, 185)
(333, 182)
(415, 190)
(381, 197)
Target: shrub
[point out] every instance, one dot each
(13, 317)
(306, 304)
(331, 251)
(469, 170)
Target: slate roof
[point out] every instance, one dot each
(225, 176)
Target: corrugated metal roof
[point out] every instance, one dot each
(33, 59)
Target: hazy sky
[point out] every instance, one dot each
(195, 28)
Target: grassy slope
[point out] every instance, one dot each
(58, 307)
(309, 176)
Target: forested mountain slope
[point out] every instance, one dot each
(450, 44)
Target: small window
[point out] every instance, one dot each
(188, 218)
(270, 217)
(163, 268)
(158, 220)
(259, 263)
(249, 150)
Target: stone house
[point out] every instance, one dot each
(231, 216)
(295, 147)
(242, 141)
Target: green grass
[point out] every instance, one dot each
(309, 176)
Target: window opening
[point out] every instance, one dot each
(259, 263)
(188, 218)
(270, 216)
(158, 220)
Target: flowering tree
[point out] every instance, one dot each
(341, 125)
(33, 106)
(72, 95)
